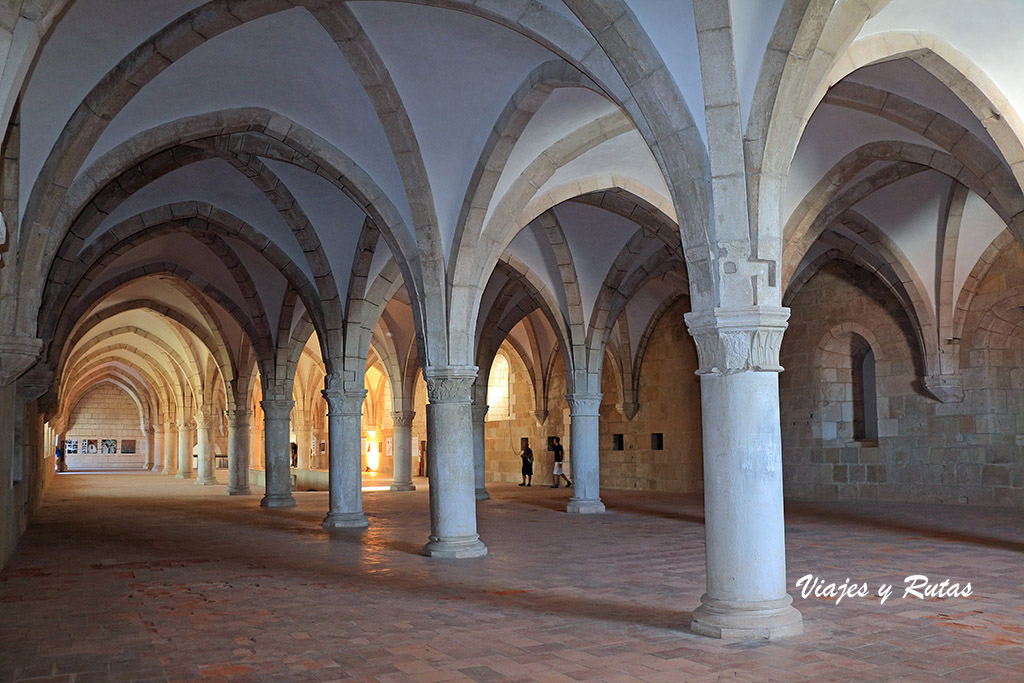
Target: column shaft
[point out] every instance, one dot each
(205, 476)
(584, 448)
(156, 452)
(238, 453)
(479, 451)
(344, 424)
(403, 451)
(170, 448)
(743, 510)
(276, 416)
(453, 531)
(184, 452)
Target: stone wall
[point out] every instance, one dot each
(669, 404)
(926, 451)
(106, 412)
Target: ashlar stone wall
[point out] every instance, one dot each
(926, 451)
(106, 412)
(669, 400)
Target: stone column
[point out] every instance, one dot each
(403, 450)
(450, 463)
(746, 593)
(170, 448)
(344, 425)
(156, 448)
(184, 451)
(302, 440)
(238, 452)
(479, 449)
(584, 450)
(276, 415)
(205, 460)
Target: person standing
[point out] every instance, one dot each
(556, 471)
(527, 456)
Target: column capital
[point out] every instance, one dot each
(584, 404)
(203, 420)
(238, 417)
(733, 340)
(277, 409)
(450, 383)
(17, 354)
(403, 418)
(945, 388)
(340, 402)
(480, 411)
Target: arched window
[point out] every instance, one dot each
(865, 397)
(498, 389)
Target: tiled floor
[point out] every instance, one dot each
(142, 577)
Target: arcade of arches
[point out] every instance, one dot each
(289, 245)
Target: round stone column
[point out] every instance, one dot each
(584, 451)
(238, 452)
(344, 433)
(479, 451)
(170, 448)
(746, 593)
(184, 451)
(156, 448)
(403, 450)
(302, 441)
(276, 417)
(450, 463)
(204, 421)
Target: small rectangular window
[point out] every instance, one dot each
(551, 443)
(616, 442)
(657, 442)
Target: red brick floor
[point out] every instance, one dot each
(142, 577)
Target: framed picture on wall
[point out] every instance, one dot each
(71, 447)
(108, 446)
(127, 445)
(92, 446)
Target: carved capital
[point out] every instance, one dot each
(738, 339)
(584, 405)
(541, 416)
(630, 409)
(276, 409)
(450, 383)
(34, 383)
(480, 412)
(348, 403)
(203, 420)
(403, 418)
(238, 418)
(17, 354)
(945, 388)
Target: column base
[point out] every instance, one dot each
(455, 548)
(403, 487)
(761, 620)
(167, 473)
(183, 475)
(481, 494)
(238, 491)
(345, 520)
(285, 501)
(579, 506)
(207, 482)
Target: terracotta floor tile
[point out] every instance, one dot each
(143, 577)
